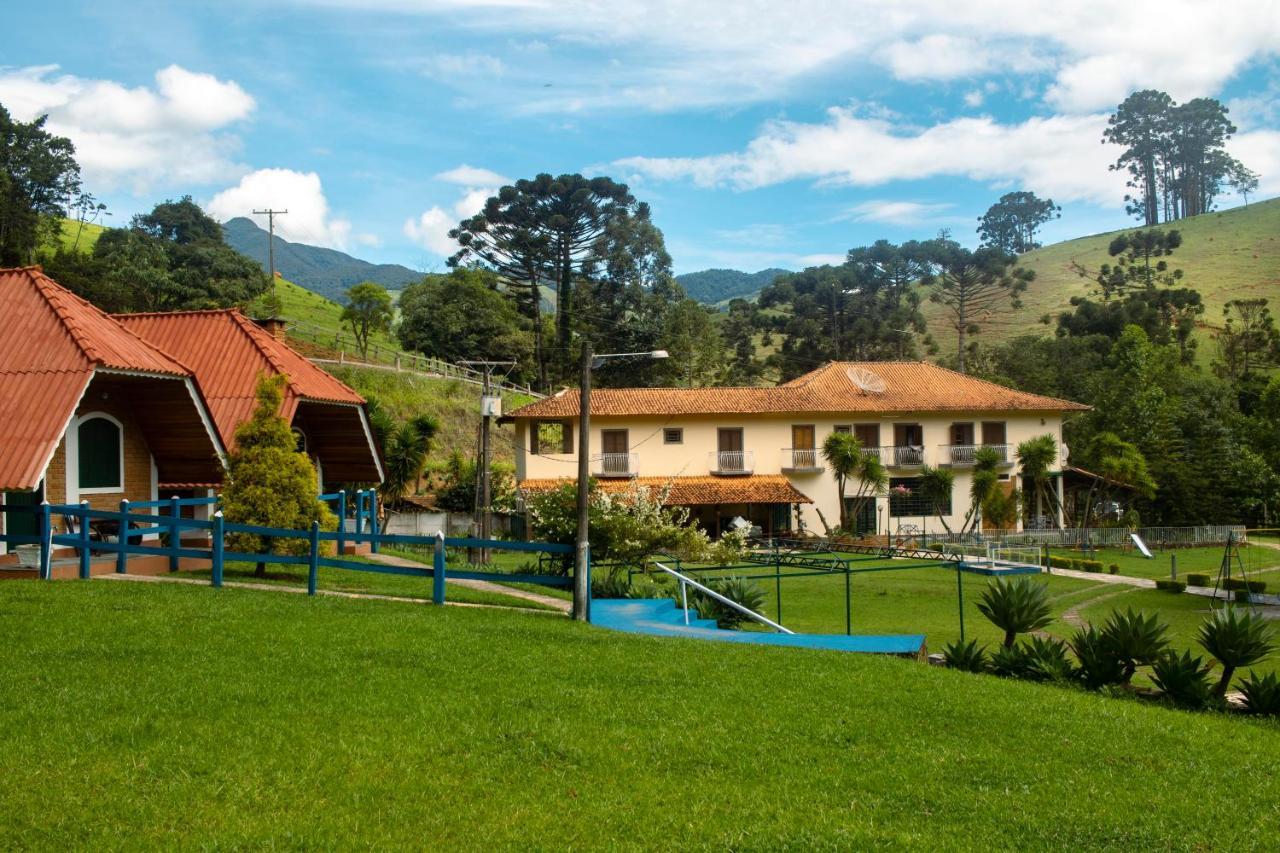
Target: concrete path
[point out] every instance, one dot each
(1147, 583)
(295, 590)
(554, 603)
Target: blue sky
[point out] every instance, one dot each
(762, 134)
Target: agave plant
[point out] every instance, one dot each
(967, 657)
(1261, 694)
(1011, 662)
(1016, 606)
(1235, 638)
(1183, 678)
(1099, 665)
(1134, 639)
(1047, 660)
(738, 590)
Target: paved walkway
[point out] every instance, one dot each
(1147, 583)
(554, 603)
(297, 590)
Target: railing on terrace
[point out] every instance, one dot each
(615, 464)
(965, 454)
(166, 530)
(905, 456)
(686, 582)
(732, 461)
(801, 459)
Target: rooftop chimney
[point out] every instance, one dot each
(274, 326)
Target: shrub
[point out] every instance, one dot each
(611, 584)
(1099, 665)
(966, 657)
(1016, 606)
(1092, 565)
(1183, 679)
(1197, 580)
(1114, 568)
(1078, 565)
(1233, 584)
(1261, 694)
(738, 590)
(1235, 638)
(1242, 596)
(1060, 562)
(1135, 639)
(1257, 587)
(1046, 660)
(1171, 586)
(1011, 661)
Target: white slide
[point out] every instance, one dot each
(1141, 546)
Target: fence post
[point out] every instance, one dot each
(359, 514)
(84, 540)
(216, 575)
(342, 521)
(848, 602)
(960, 597)
(46, 542)
(122, 539)
(313, 567)
(437, 570)
(373, 520)
(175, 537)
(1173, 565)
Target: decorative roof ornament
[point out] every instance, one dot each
(866, 381)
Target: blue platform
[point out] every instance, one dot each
(660, 617)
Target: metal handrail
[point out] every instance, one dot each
(685, 580)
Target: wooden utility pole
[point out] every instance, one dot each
(271, 243)
(582, 561)
(490, 407)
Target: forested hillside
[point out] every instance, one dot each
(324, 271)
(715, 286)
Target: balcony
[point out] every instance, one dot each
(801, 459)
(615, 465)
(903, 456)
(731, 463)
(963, 455)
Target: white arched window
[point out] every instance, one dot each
(99, 453)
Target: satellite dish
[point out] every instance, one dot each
(868, 382)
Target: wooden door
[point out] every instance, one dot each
(803, 453)
(729, 443)
(613, 446)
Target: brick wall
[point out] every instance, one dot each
(137, 456)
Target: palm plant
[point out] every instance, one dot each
(844, 454)
(1261, 694)
(1036, 457)
(1134, 639)
(935, 485)
(985, 482)
(1099, 665)
(404, 455)
(1016, 606)
(1182, 678)
(1235, 638)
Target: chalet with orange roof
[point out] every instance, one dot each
(228, 352)
(756, 453)
(88, 409)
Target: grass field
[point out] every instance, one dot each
(1234, 254)
(155, 715)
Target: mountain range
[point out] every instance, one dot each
(327, 272)
(716, 286)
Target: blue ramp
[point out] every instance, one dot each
(660, 617)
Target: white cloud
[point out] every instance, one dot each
(974, 98)
(674, 54)
(896, 212)
(308, 220)
(175, 133)
(431, 228)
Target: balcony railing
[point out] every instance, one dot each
(801, 459)
(615, 464)
(732, 462)
(904, 456)
(965, 454)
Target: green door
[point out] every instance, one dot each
(20, 514)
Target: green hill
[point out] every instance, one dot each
(1229, 255)
(715, 286)
(324, 271)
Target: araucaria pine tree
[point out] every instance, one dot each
(271, 483)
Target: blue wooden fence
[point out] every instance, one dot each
(134, 527)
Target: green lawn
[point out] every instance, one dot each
(174, 716)
(1255, 558)
(352, 580)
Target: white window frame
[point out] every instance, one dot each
(73, 455)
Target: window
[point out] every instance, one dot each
(868, 435)
(905, 499)
(673, 435)
(100, 446)
(844, 428)
(551, 437)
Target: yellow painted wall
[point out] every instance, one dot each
(766, 437)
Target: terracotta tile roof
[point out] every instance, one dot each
(53, 342)
(695, 491)
(228, 351)
(910, 386)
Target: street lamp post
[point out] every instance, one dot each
(582, 556)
